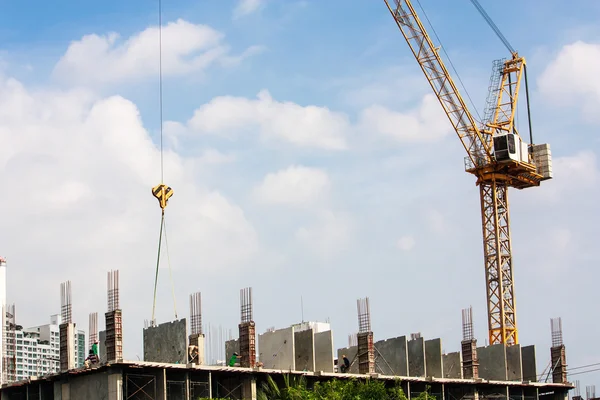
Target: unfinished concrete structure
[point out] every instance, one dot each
(558, 358)
(417, 364)
(196, 346)
(296, 348)
(468, 346)
(114, 320)
(159, 381)
(277, 349)
(247, 330)
(366, 349)
(167, 342)
(93, 329)
(66, 329)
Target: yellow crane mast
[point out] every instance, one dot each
(496, 155)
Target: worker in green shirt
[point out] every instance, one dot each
(95, 348)
(233, 359)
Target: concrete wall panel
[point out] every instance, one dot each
(416, 357)
(391, 356)
(277, 349)
(166, 342)
(528, 360)
(514, 371)
(352, 354)
(231, 346)
(304, 342)
(101, 346)
(433, 358)
(452, 365)
(492, 362)
(324, 351)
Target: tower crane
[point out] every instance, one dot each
(496, 154)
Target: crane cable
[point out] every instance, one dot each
(162, 192)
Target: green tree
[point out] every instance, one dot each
(295, 388)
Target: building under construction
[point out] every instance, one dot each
(174, 367)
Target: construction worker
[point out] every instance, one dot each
(233, 359)
(346, 366)
(95, 348)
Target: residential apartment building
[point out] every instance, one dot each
(38, 349)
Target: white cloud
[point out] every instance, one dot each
(406, 243)
(295, 185)
(570, 174)
(245, 7)
(78, 172)
(186, 48)
(436, 221)
(329, 235)
(572, 76)
(426, 124)
(309, 126)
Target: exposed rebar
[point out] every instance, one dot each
(196, 313)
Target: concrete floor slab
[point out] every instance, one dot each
(304, 348)
(492, 362)
(452, 365)
(167, 342)
(324, 351)
(528, 362)
(277, 349)
(514, 364)
(391, 356)
(433, 358)
(416, 357)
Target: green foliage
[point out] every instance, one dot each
(295, 388)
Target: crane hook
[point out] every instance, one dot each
(162, 193)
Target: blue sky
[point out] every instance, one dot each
(341, 181)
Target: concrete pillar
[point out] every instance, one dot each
(366, 353)
(115, 387)
(67, 346)
(248, 389)
(65, 391)
(161, 385)
(559, 364)
(57, 391)
(247, 344)
(114, 335)
(470, 359)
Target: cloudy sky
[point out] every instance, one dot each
(308, 160)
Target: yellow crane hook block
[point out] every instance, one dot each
(162, 192)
